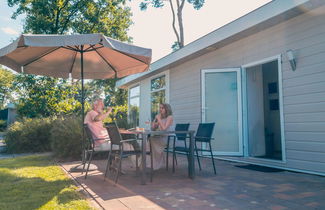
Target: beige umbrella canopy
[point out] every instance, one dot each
(61, 55)
(83, 56)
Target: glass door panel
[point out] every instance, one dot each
(221, 103)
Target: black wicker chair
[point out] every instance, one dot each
(204, 135)
(119, 154)
(90, 148)
(177, 137)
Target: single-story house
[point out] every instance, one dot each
(9, 114)
(260, 78)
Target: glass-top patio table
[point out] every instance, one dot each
(146, 133)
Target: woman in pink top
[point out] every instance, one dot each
(163, 121)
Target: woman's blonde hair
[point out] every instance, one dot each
(168, 109)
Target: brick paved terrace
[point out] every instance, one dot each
(235, 186)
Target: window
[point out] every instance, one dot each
(158, 94)
(134, 105)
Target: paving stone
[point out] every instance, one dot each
(312, 204)
(305, 195)
(252, 184)
(278, 208)
(283, 196)
(232, 188)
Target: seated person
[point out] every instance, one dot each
(94, 119)
(164, 122)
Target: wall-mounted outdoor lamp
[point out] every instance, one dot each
(291, 59)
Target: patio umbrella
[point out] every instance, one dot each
(81, 56)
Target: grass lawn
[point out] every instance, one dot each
(35, 182)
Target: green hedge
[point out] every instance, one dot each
(61, 135)
(3, 125)
(65, 138)
(29, 135)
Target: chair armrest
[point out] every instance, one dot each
(97, 139)
(128, 140)
(203, 138)
(187, 136)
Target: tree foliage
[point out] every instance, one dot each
(113, 95)
(6, 87)
(109, 17)
(43, 96)
(176, 8)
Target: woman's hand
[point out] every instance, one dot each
(154, 125)
(158, 117)
(164, 125)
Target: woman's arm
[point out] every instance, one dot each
(167, 124)
(154, 124)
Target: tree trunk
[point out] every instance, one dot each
(180, 22)
(173, 24)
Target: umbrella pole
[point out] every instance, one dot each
(83, 158)
(82, 103)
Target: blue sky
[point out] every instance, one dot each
(152, 28)
(9, 29)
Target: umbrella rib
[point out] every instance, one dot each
(70, 48)
(91, 46)
(132, 57)
(74, 59)
(41, 56)
(93, 49)
(106, 61)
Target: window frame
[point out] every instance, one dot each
(129, 100)
(165, 88)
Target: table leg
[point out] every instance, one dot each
(144, 159)
(191, 165)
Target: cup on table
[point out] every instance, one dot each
(147, 125)
(139, 129)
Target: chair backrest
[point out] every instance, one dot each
(204, 132)
(89, 135)
(181, 127)
(114, 133)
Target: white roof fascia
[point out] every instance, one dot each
(258, 16)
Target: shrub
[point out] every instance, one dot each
(3, 125)
(66, 135)
(29, 135)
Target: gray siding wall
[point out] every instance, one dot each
(303, 89)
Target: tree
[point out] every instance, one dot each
(6, 87)
(44, 96)
(177, 14)
(110, 17)
(113, 95)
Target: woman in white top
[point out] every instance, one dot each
(163, 121)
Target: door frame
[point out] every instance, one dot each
(239, 108)
(245, 114)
